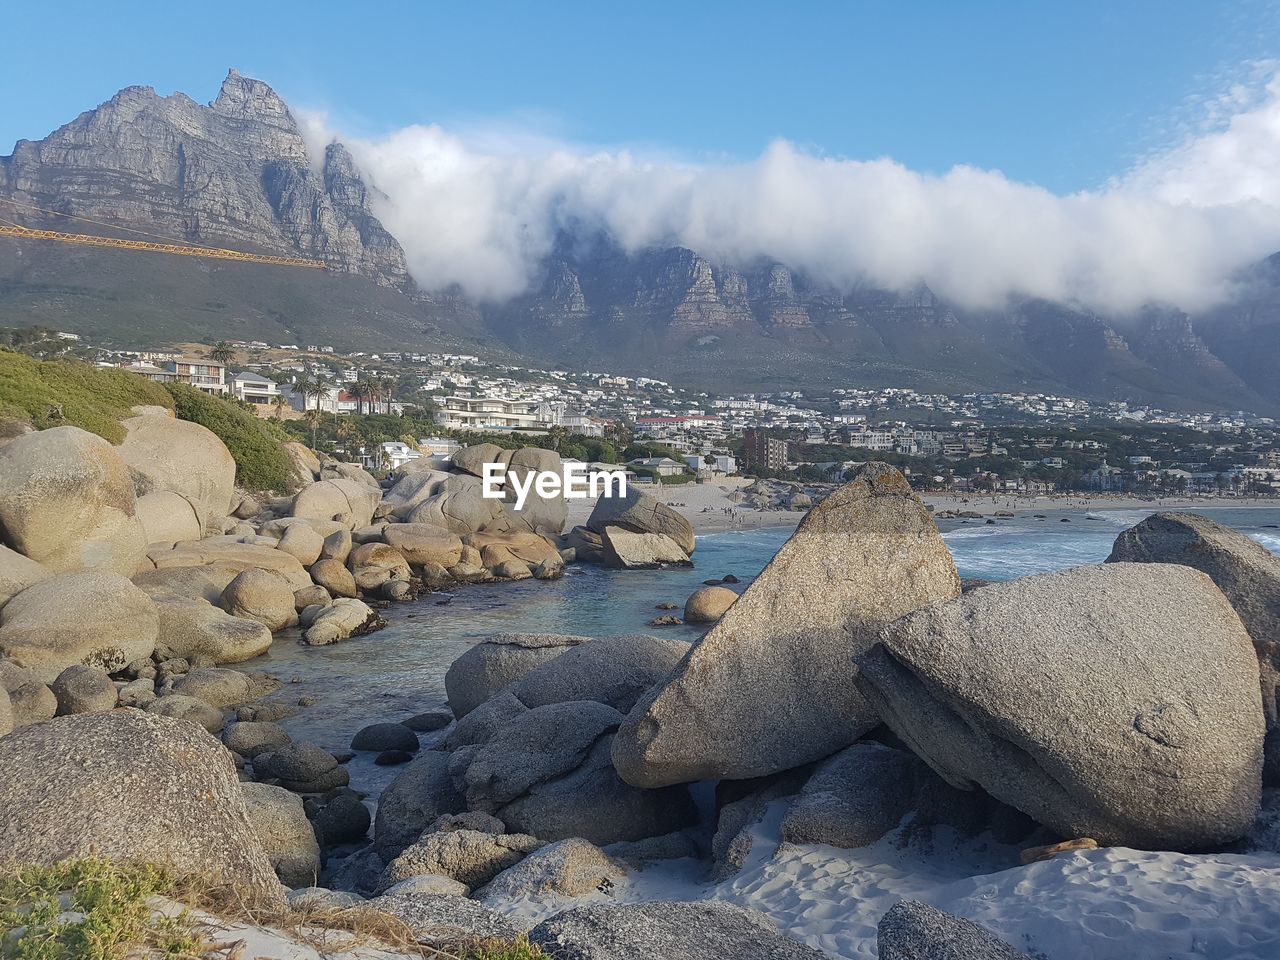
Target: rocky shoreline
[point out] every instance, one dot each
(854, 692)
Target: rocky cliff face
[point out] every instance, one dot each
(235, 172)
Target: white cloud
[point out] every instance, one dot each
(482, 211)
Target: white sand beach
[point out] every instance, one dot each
(1108, 904)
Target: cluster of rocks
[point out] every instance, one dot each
(853, 684)
(113, 555)
(781, 495)
(632, 532)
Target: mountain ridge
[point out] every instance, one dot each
(237, 172)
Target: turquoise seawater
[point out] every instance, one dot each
(399, 671)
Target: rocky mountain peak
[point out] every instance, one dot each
(243, 98)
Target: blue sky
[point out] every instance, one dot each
(1064, 95)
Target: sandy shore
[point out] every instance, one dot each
(708, 507)
(1083, 502)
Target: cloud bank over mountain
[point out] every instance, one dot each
(483, 211)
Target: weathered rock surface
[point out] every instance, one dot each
(252, 737)
(301, 541)
(593, 803)
(177, 456)
(612, 670)
(854, 798)
(500, 660)
(624, 549)
(168, 517)
(442, 920)
(92, 617)
(373, 564)
(67, 502)
(535, 747)
(171, 799)
(17, 573)
(704, 930)
(285, 832)
(470, 857)
(1118, 702)
(912, 930)
(82, 689)
(230, 554)
(458, 505)
(343, 618)
(30, 700)
(1246, 572)
(385, 736)
(350, 502)
(770, 686)
(545, 515)
(567, 868)
(192, 628)
(420, 544)
(191, 709)
(333, 575)
(640, 512)
(416, 798)
(261, 595)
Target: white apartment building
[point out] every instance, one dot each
(254, 388)
(487, 414)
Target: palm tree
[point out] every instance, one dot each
(313, 421)
(362, 390)
(279, 402)
(347, 432)
(389, 391)
(316, 388)
(222, 353)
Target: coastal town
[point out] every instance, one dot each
(1014, 443)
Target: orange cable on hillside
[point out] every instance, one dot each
(9, 228)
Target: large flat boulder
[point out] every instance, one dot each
(701, 930)
(1117, 701)
(622, 549)
(93, 617)
(131, 787)
(641, 512)
(192, 627)
(500, 660)
(230, 554)
(771, 685)
(166, 454)
(67, 501)
(1247, 573)
(421, 543)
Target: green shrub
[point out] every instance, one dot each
(90, 910)
(254, 443)
(55, 393)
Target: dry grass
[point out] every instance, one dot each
(94, 909)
